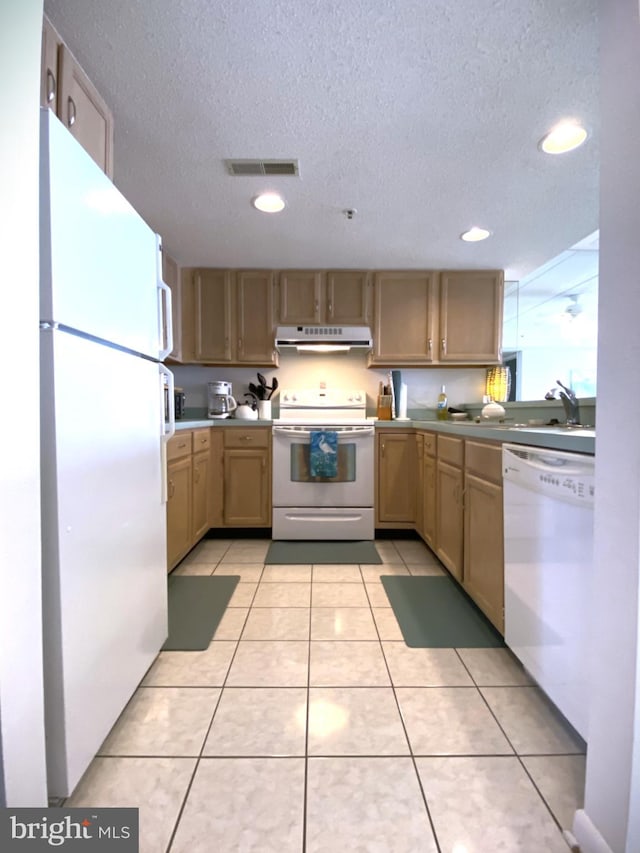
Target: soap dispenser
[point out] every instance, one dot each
(441, 409)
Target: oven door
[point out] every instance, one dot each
(293, 483)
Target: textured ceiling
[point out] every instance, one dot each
(424, 115)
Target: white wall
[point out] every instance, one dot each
(21, 701)
(613, 758)
(339, 371)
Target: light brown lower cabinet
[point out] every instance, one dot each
(396, 479)
(450, 509)
(179, 497)
(188, 491)
(460, 492)
(420, 484)
(429, 490)
(216, 478)
(247, 477)
(483, 529)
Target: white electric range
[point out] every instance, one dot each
(318, 507)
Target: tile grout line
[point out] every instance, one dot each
(516, 754)
(306, 726)
(404, 728)
(204, 740)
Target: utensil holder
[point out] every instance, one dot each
(264, 410)
(383, 412)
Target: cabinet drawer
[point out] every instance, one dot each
(256, 437)
(179, 445)
(201, 439)
(484, 459)
(451, 450)
(429, 439)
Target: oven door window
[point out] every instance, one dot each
(346, 465)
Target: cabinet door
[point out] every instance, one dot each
(200, 494)
(246, 488)
(429, 501)
(471, 316)
(404, 318)
(450, 517)
(84, 112)
(419, 513)
(216, 478)
(483, 547)
(396, 478)
(300, 295)
(348, 297)
(212, 315)
(254, 318)
(49, 68)
(179, 510)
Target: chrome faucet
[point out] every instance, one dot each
(570, 403)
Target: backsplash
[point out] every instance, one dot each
(350, 370)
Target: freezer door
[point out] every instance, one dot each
(104, 542)
(100, 266)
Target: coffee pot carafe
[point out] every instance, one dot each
(221, 401)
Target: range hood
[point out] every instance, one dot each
(321, 339)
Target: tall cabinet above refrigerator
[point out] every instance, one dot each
(103, 309)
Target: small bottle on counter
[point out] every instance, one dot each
(441, 409)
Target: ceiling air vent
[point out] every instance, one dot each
(242, 168)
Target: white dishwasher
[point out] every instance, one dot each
(548, 555)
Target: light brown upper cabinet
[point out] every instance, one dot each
(228, 318)
(404, 325)
(300, 294)
(471, 316)
(254, 317)
(451, 317)
(67, 90)
(312, 296)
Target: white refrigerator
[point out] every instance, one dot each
(104, 312)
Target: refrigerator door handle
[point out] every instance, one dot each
(165, 319)
(169, 427)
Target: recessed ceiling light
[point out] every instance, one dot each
(473, 235)
(564, 137)
(268, 203)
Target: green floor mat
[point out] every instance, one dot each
(196, 606)
(306, 551)
(434, 612)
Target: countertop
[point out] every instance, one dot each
(576, 440)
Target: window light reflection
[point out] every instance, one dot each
(325, 718)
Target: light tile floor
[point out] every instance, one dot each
(309, 726)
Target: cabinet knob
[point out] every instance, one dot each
(430, 345)
(444, 346)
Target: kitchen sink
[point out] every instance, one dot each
(544, 428)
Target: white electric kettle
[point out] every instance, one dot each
(221, 401)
